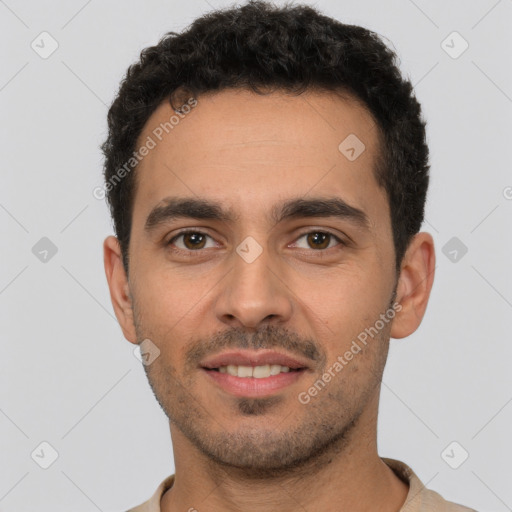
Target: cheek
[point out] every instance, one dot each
(340, 298)
(342, 308)
(170, 307)
(167, 296)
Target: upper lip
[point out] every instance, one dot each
(252, 358)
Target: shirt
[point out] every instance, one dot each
(419, 498)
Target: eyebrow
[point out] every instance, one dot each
(172, 208)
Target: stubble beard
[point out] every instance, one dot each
(324, 428)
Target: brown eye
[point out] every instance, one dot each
(194, 240)
(318, 240)
(191, 240)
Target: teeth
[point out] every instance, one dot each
(245, 371)
(232, 370)
(276, 368)
(258, 372)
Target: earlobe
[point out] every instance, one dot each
(414, 285)
(119, 287)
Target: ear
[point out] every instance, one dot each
(414, 285)
(119, 287)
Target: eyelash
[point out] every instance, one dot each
(197, 232)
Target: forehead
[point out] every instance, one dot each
(249, 150)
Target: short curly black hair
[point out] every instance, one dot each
(262, 47)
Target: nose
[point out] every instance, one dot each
(253, 293)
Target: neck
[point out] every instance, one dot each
(349, 476)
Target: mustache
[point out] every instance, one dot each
(268, 337)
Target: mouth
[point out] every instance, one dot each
(256, 372)
(253, 374)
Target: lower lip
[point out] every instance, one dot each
(252, 387)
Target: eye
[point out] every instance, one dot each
(319, 240)
(191, 240)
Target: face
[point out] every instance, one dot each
(254, 235)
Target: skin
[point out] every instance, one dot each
(250, 152)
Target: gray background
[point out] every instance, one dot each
(70, 379)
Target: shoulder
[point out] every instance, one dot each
(153, 504)
(419, 498)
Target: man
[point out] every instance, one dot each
(266, 172)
